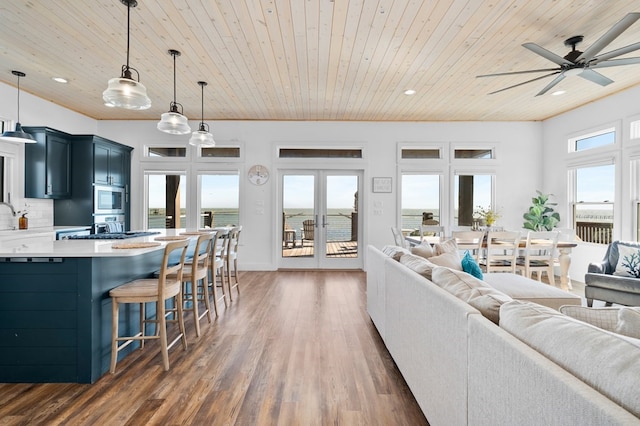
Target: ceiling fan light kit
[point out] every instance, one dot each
(202, 137)
(124, 91)
(582, 64)
(18, 135)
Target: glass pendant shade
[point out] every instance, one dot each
(202, 138)
(174, 123)
(18, 135)
(126, 93)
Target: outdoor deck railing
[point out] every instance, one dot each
(595, 232)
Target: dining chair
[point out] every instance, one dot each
(308, 231)
(431, 230)
(232, 260)
(195, 288)
(398, 238)
(167, 286)
(469, 240)
(538, 254)
(501, 252)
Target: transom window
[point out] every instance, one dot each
(595, 140)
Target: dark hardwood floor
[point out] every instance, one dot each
(294, 348)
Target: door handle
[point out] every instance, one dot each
(315, 222)
(324, 221)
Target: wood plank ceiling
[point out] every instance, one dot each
(346, 60)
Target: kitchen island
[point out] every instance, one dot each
(55, 309)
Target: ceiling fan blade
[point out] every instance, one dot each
(556, 59)
(596, 77)
(606, 56)
(616, 63)
(526, 82)
(609, 36)
(519, 72)
(555, 81)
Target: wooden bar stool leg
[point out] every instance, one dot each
(205, 296)
(143, 322)
(194, 305)
(183, 332)
(114, 335)
(162, 323)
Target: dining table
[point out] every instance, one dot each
(564, 254)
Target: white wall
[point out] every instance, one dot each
(616, 110)
(518, 161)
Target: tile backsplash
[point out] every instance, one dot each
(39, 213)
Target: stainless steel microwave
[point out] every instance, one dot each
(108, 200)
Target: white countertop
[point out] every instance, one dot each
(86, 248)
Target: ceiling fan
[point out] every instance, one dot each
(581, 63)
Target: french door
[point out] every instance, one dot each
(319, 223)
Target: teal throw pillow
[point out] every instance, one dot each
(470, 266)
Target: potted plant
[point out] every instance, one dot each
(541, 216)
(488, 216)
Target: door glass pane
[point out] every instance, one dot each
(420, 195)
(166, 201)
(593, 210)
(470, 193)
(341, 220)
(298, 216)
(219, 200)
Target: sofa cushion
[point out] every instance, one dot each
(418, 264)
(628, 261)
(605, 318)
(449, 260)
(523, 288)
(449, 246)
(395, 252)
(425, 250)
(471, 290)
(607, 361)
(470, 266)
(629, 322)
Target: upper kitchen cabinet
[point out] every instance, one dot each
(111, 162)
(47, 164)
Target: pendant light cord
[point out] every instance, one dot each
(174, 76)
(18, 99)
(128, 30)
(202, 104)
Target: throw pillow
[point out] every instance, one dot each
(449, 246)
(418, 264)
(605, 318)
(629, 322)
(628, 262)
(470, 266)
(425, 250)
(449, 260)
(395, 252)
(472, 291)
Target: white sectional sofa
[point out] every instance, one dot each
(464, 369)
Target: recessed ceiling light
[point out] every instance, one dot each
(409, 92)
(559, 92)
(60, 79)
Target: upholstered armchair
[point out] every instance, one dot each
(616, 279)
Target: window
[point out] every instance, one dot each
(164, 151)
(420, 196)
(477, 154)
(166, 200)
(420, 153)
(594, 203)
(320, 153)
(594, 140)
(471, 192)
(219, 199)
(221, 152)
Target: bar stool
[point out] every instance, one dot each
(157, 290)
(217, 266)
(232, 258)
(195, 273)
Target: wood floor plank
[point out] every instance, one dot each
(295, 347)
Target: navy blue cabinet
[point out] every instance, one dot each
(110, 162)
(47, 164)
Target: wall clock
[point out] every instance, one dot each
(258, 174)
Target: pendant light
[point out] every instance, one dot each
(18, 135)
(124, 91)
(202, 137)
(174, 122)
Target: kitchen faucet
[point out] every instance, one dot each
(13, 211)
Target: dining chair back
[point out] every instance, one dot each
(398, 238)
(538, 254)
(501, 252)
(469, 240)
(167, 286)
(436, 231)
